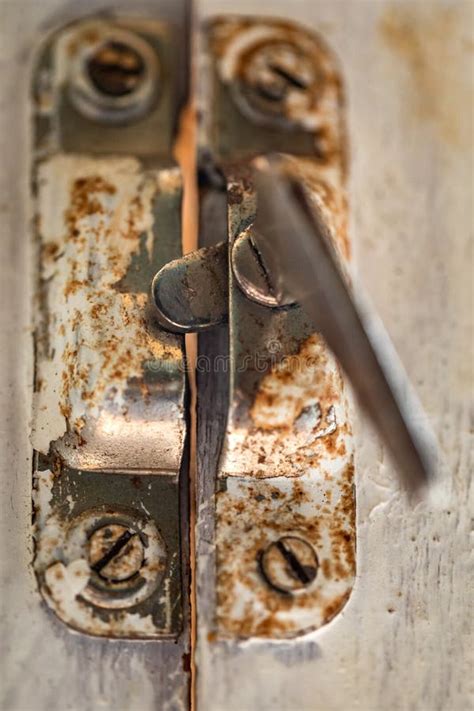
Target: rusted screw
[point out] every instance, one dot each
(289, 564)
(116, 552)
(116, 69)
(273, 81)
(277, 80)
(116, 80)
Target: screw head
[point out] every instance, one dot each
(115, 552)
(126, 555)
(289, 564)
(116, 68)
(115, 79)
(276, 84)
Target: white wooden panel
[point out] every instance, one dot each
(43, 664)
(404, 640)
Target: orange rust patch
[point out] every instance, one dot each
(334, 607)
(72, 286)
(247, 523)
(66, 410)
(97, 310)
(325, 89)
(292, 386)
(84, 201)
(326, 568)
(49, 251)
(136, 211)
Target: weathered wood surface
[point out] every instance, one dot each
(43, 664)
(404, 641)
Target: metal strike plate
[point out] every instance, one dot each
(284, 527)
(109, 424)
(285, 501)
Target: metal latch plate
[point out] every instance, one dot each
(285, 502)
(109, 425)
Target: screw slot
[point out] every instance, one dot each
(126, 554)
(116, 69)
(288, 76)
(115, 553)
(277, 84)
(289, 564)
(115, 80)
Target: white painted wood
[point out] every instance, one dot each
(44, 665)
(404, 640)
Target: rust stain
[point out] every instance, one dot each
(334, 607)
(241, 46)
(298, 417)
(287, 460)
(88, 248)
(291, 385)
(50, 251)
(87, 36)
(429, 41)
(262, 611)
(84, 201)
(72, 584)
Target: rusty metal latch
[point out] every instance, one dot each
(110, 411)
(285, 503)
(115, 296)
(109, 427)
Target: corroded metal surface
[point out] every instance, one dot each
(106, 373)
(297, 421)
(73, 115)
(279, 75)
(191, 293)
(109, 424)
(140, 596)
(286, 465)
(252, 514)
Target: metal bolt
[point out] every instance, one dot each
(277, 82)
(289, 564)
(116, 553)
(116, 69)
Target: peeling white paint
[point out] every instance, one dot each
(94, 339)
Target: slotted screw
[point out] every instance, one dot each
(274, 81)
(276, 78)
(289, 564)
(116, 69)
(116, 552)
